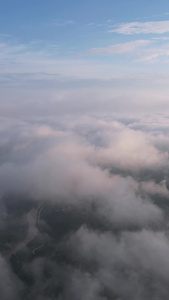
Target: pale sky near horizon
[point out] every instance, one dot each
(83, 56)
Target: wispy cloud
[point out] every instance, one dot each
(162, 38)
(122, 48)
(143, 50)
(29, 59)
(142, 27)
(155, 53)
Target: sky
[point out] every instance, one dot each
(84, 150)
(56, 51)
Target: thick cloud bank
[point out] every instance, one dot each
(84, 210)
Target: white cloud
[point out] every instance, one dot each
(49, 159)
(69, 164)
(124, 142)
(142, 27)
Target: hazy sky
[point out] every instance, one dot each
(61, 56)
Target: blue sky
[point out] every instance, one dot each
(69, 49)
(76, 24)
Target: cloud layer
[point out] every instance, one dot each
(84, 208)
